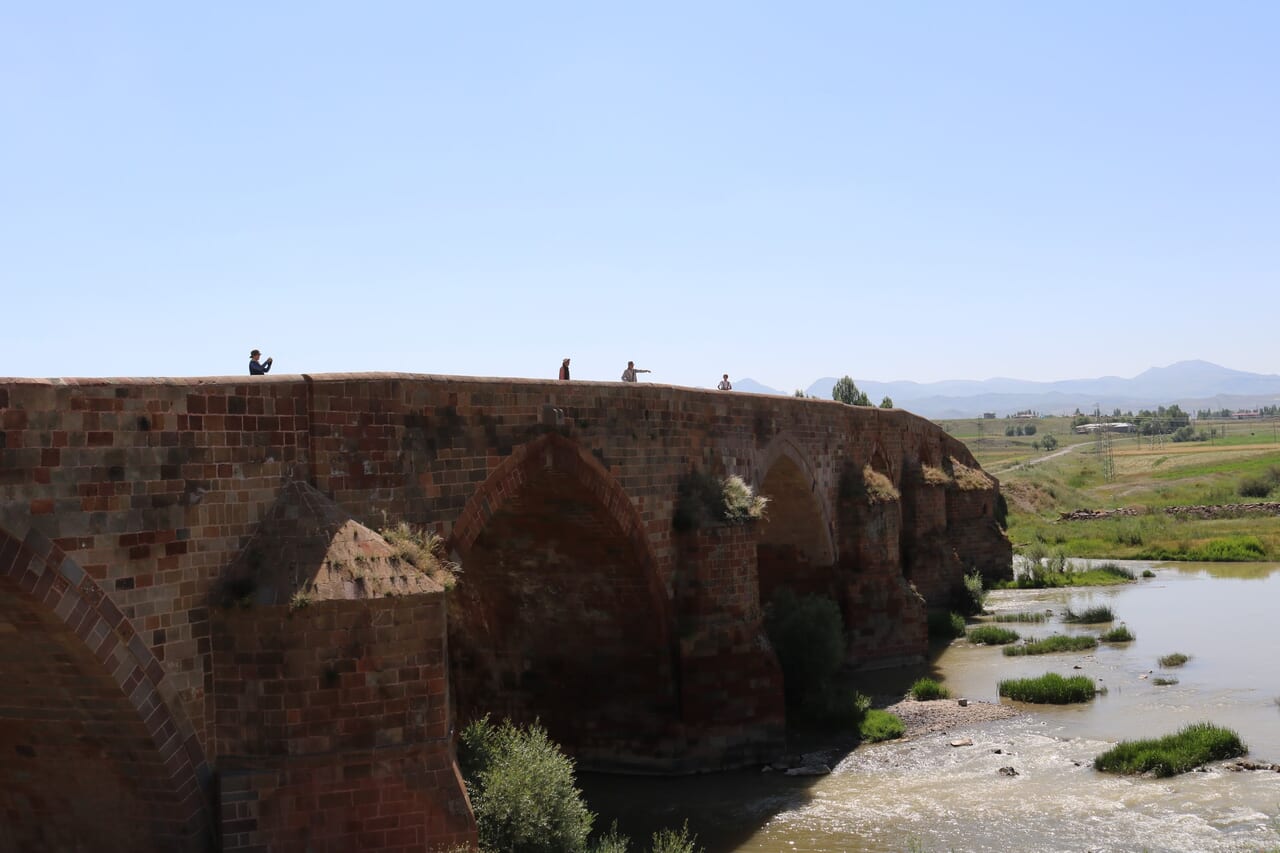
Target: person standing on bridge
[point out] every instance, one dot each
(629, 375)
(725, 384)
(257, 368)
(564, 370)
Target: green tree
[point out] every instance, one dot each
(847, 392)
(1049, 442)
(887, 402)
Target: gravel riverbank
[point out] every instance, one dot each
(940, 715)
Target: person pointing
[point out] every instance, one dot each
(629, 375)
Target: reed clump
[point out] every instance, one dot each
(1052, 644)
(1091, 616)
(992, 635)
(926, 689)
(1189, 748)
(1118, 634)
(1049, 689)
(1022, 616)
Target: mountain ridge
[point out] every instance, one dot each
(1192, 384)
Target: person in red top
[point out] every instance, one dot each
(564, 369)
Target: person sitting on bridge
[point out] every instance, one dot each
(564, 369)
(257, 368)
(629, 375)
(725, 384)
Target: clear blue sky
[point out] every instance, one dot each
(786, 191)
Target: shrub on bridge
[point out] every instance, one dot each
(807, 634)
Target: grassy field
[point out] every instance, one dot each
(1149, 474)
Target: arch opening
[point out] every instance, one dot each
(793, 543)
(558, 615)
(80, 769)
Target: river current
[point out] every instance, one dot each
(924, 794)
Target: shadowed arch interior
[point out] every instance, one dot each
(794, 545)
(79, 769)
(558, 616)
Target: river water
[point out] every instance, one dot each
(925, 795)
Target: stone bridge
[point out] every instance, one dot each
(205, 645)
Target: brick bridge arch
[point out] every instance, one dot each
(795, 545)
(96, 756)
(560, 613)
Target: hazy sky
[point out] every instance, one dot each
(783, 191)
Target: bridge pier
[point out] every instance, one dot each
(330, 691)
(731, 690)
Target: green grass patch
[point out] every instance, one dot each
(880, 725)
(992, 635)
(1049, 689)
(1104, 575)
(1022, 616)
(1092, 616)
(1255, 465)
(1175, 659)
(925, 689)
(1147, 573)
(1162, 681)
(1189, 748)
(1051, 645)
(1232, 549)
(1118, 634)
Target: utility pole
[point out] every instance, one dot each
(1104, 446)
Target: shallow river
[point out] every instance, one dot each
(926, 795)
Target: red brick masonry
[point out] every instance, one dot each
(145, 714)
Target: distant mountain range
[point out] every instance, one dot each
(1191, 384)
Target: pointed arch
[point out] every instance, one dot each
(798, 511)
(879, 461)
(110, 749)
(795, 544)
(560, 613)
(554, 452)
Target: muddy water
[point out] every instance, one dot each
(927, 795)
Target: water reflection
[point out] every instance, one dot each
(927, 795)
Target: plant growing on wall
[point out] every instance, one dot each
(423, 550)
(705, 500)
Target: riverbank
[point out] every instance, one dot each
(942, 715)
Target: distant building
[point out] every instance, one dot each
(1114, 426)
(1025, 415)
(1240, 416)
(988, 416)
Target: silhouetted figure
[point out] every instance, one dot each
(564, 369)
(725, 384)
(629, 375)
(257, 368)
